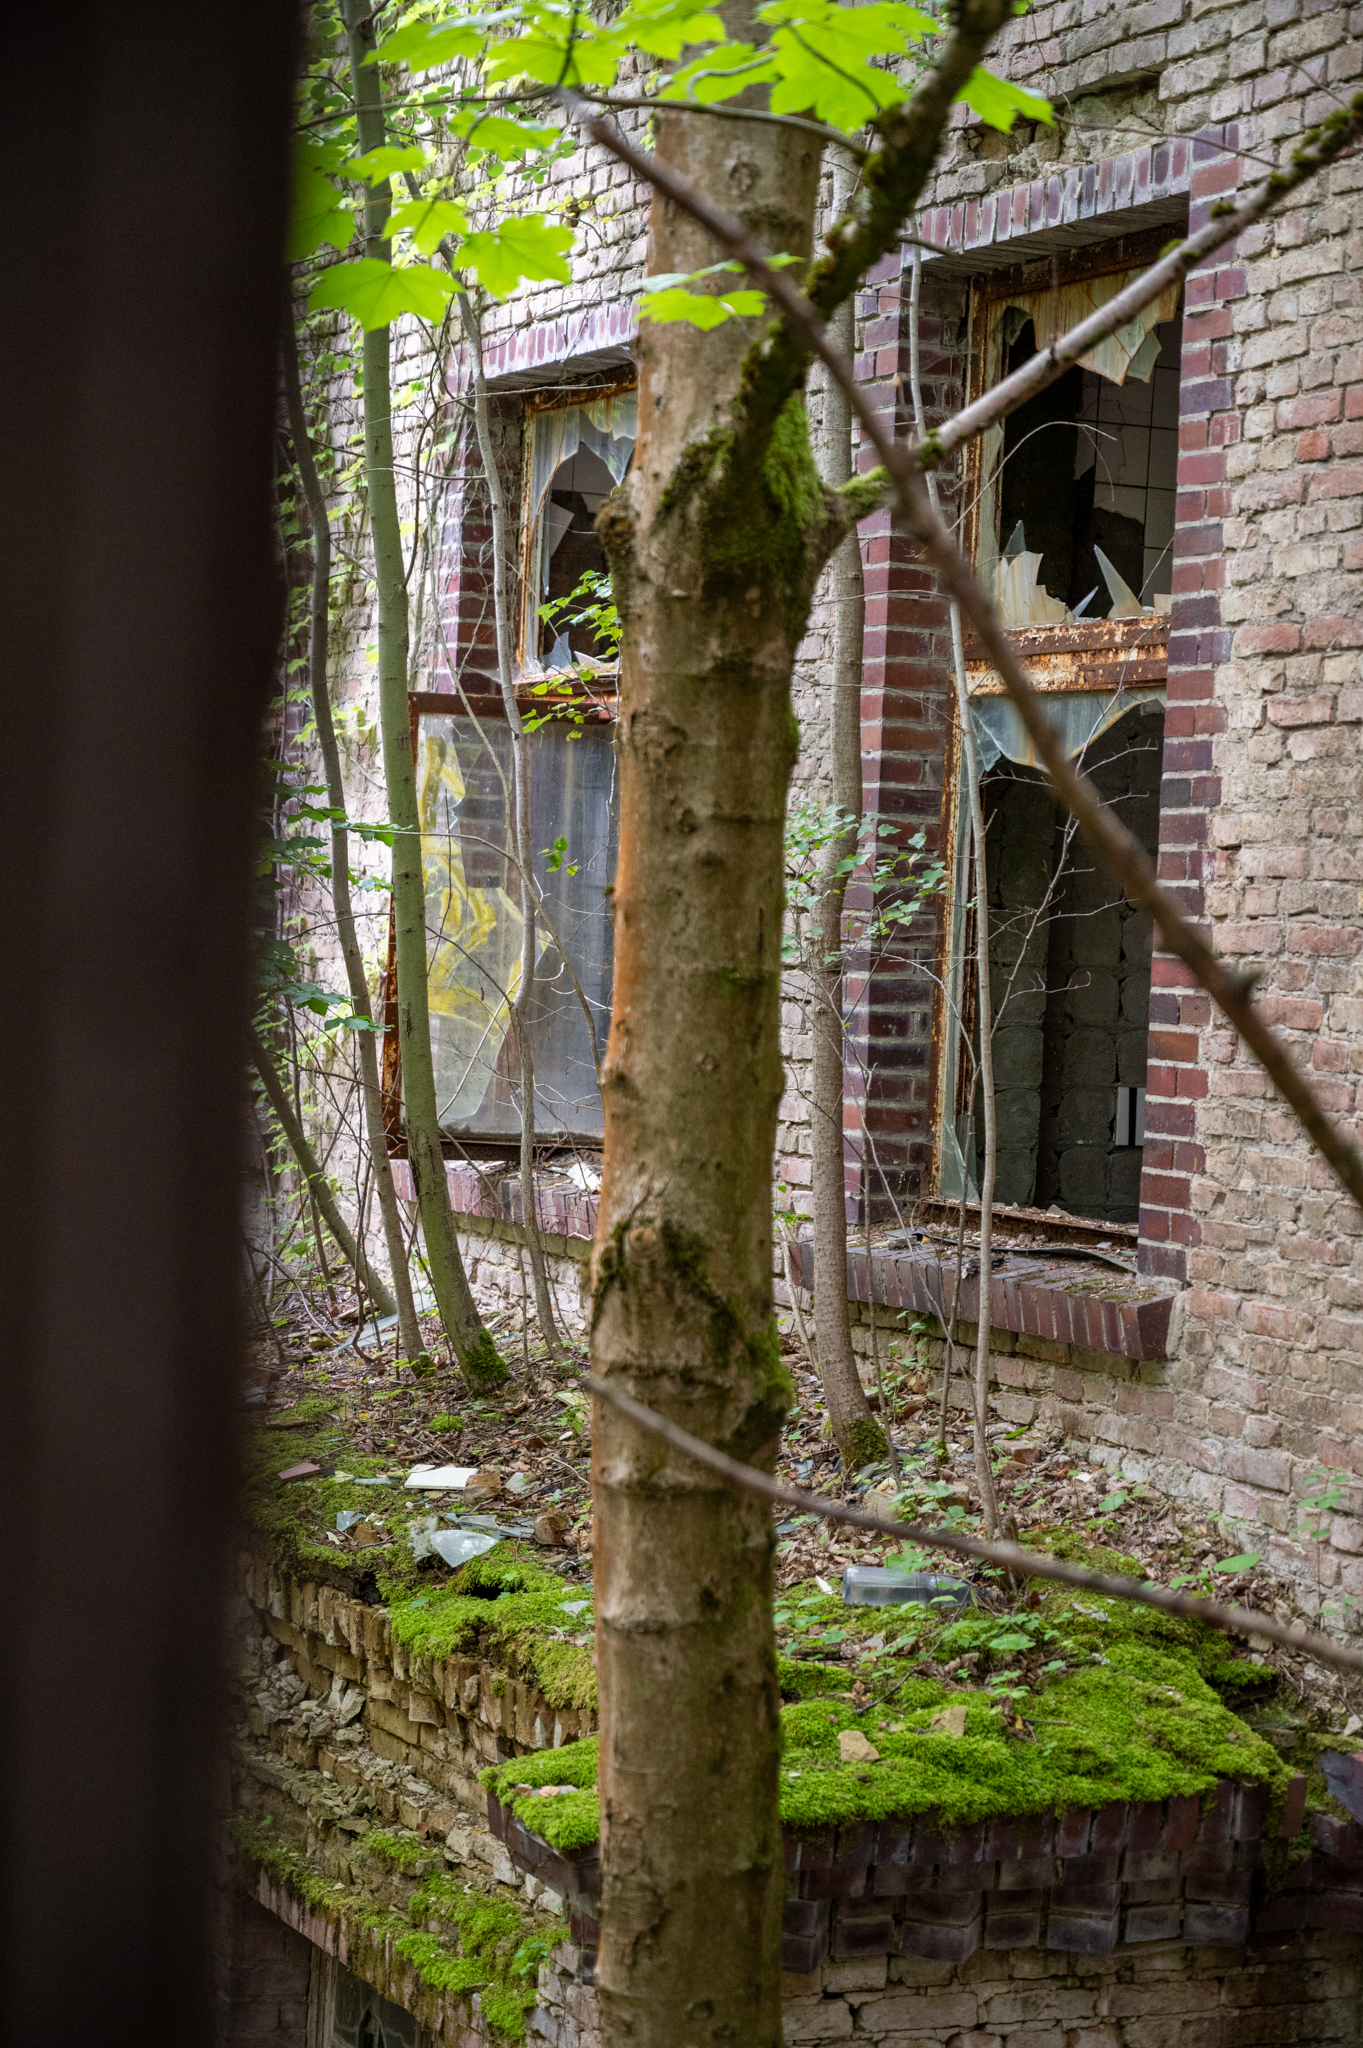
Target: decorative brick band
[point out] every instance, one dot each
(1082, 192)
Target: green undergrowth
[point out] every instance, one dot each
(1071, 1699)
(499, 1943)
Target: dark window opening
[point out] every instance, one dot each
(576, 455)
(1070, 985)
(573, 553)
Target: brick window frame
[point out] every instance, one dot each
(909, 741)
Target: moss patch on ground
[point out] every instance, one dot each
(511, 1611)
(1070, 1700)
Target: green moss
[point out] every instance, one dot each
(482, 1365)
(1131, 1708)
(402, 1851)
(800, 1680)
(523, 1630)
(569, 1821)
(862, 1443)
(500, 1944)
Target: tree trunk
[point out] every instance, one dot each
(518, 808)
(314, 1179)
(409, 1330)
(970, 777)
(714, 543)
(970, 771)
(859, 1436)
(473, 1347)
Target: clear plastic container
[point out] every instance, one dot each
(874, 1585)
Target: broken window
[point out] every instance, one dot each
(475, 930)
(1076, 514)
(1069, 968)
(1074, 497)
(576, 454)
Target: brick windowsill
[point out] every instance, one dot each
(1034, 1294)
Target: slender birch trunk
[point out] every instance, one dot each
(519, 809)
(473, 1347)
(314, 1179)
(859, 1436)
(970, 774)
(409, 1330)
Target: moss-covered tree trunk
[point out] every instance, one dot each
(713, 545)
(473, 1346)
(714, 542)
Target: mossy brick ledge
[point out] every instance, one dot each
(448, 1716)
(1086, 1882)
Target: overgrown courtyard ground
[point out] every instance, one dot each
(364, 1420)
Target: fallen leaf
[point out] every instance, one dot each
(853, 1747)
(551, 1529)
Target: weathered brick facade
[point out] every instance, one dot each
(1165, 109)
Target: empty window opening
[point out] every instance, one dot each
(1069, 964)
(475, 930)
(577, 455)
(1078, 492)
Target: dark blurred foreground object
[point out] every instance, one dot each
(147, 155)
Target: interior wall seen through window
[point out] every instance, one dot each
(1070, 984)
(475, 930)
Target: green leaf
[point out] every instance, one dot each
(318, 212)
(1244, 1563)
(427, 221)
(421, 45)
(375, 293)
(390, 159)
(518, 249)
(701, 308)
(998, 102)
(666, 27)
(1015, 1641)
(503, 135)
